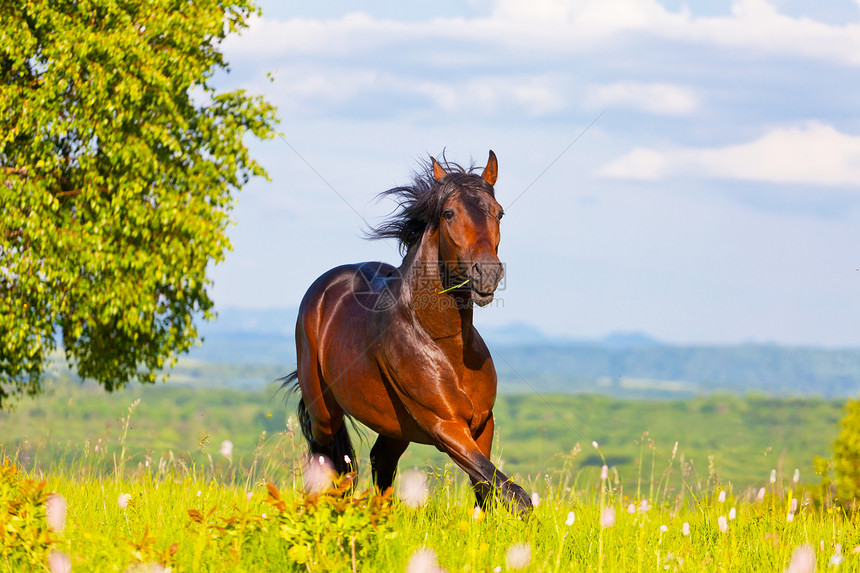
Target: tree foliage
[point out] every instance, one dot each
(846, 453)
(119, 160)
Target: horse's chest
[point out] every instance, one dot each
(479, 387)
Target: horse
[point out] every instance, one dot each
(395, 347)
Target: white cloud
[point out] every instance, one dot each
(266, 37)
(645, 164)
(533, 95)
(602, 16)
(334, 85)
(316, 87)
(813, 153)
(657, 98)
(757, 25)
(550, 26)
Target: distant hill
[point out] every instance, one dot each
(622, 364)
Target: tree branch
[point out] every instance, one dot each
(22, 171)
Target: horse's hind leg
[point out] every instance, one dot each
(383, 459)
(320, 416)
(336, 446)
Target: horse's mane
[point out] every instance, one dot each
(420, 204)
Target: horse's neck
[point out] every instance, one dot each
(438, 314)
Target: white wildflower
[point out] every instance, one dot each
(772, 476)
(722, 497)
(796, 477)
(631, 509)
(226, 449)
(518, 556)
(607, 517)
(733, 513)
(604, 472)
(123, 499)
(595, 445)
(570, 519)
(760, 495)
(802, 560)
(723, 523)
(413, 488)
(663, 529)
(56, 508)
(685, 529)
(423, 561)
(535, 499)
(318, 475)
(644, 506)
(836, 559)
(59, 562)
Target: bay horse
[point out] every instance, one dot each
(395, 347)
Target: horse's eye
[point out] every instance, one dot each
(501, 214)
(448, 214)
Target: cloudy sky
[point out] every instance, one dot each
(688, 169)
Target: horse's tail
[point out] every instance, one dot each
(290, 384)
(340, 449)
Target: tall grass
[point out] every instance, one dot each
(131, 510)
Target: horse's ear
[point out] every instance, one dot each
(438, 172)
(491, 171)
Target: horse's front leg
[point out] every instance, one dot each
(484, 439)
(455, 439)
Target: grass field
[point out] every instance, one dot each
(192, 519)
(741, 438)
(153, 485)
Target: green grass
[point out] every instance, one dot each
(90, 447)
(745, 437)
(189, 519)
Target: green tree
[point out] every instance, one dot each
(119, 161)
(846, 453)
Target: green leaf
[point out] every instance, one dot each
(118, 180)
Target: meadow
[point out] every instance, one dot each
(175, 477)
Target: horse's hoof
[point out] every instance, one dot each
(520, 501)
(524, 508)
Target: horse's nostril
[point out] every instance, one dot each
(486, 275)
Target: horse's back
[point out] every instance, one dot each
(358, 284)
(337, 338)
(338, 314)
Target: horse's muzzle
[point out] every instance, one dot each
(485, 278)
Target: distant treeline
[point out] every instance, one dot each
(639, 370)
(676, 370)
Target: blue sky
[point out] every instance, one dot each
(715, 197)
